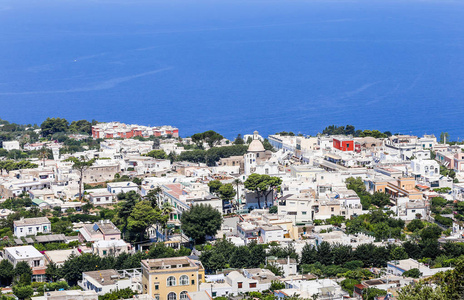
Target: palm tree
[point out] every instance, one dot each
(237, 182)
(153, 196)
(166, 210)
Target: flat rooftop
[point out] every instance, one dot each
(32, 221)
(23, 252)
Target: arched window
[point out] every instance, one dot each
(172, 296)
(184, 280)
(183, 296)
(171, 282)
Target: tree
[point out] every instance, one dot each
(81, 165)
(158, 154)
(153, 196)
(23, 292)
(239, 140)
(237, 183)
(200, 221)
(240, 258)
(257, 254)
(74, 266)
(6, 272)
(398, 253)
(126, 205)
(324, 253)
(355, 184)
(23, 272)
(277, 285)
(166, 210)
(420, 291)
(432, 232)
(414, 273)
(371, 293)
(214, 186)
(54, 125)
(308, 255)
(262, 185)
(126, 293)
(53, 272)
(226, 193)
(210, 137)
(414, 225)
(348, 285)
(444, 137)
(143, 216)
(267, 145)
(380, 199)
(81, 126)
(341, 254)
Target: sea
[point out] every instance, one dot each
(235, 66)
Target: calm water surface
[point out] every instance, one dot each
(236, 66)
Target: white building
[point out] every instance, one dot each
(24, 253)
(31, 226)
(235, 283)
(11, 145)
(105, 281)
(104, 248)
(100, 197)
(122, 187)
(270, 233)
(398, 267)
(68, 295)
(288, 265)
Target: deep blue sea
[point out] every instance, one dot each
(236, 66)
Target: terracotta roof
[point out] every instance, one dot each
(38, 272)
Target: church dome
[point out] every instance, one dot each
(256, 145)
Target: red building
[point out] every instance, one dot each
(343, 144)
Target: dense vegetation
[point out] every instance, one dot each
(367, 199)
(350, 130)
(212, 155)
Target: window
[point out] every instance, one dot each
(183, 280)
(156, 286)
(183, 295)
(157, 297)
(171, 281)
(332, 209)
(214, 294)
(303, 212)
(30, 229)
(200, 276)
(193, 282)
(239, 285)
(172, 296)
(104, 252)
(252, 285)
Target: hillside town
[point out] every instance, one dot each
(94, 210)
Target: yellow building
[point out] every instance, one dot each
(171, 278)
